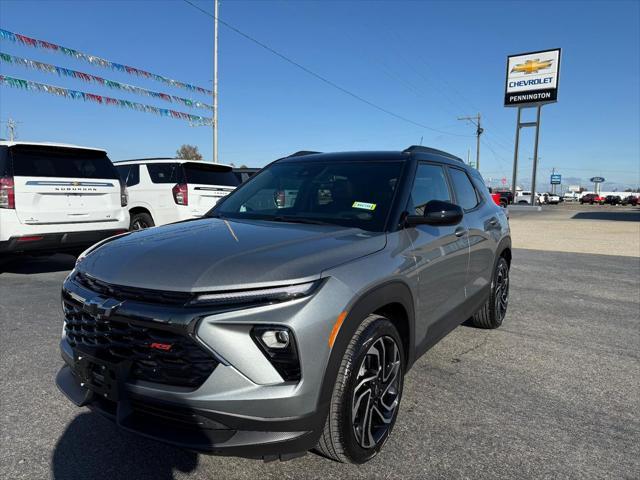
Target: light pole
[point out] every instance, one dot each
(215, 81)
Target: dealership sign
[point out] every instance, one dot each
(597, 179)
(532, 78)
(556, 179)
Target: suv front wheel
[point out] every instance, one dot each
(366, 397)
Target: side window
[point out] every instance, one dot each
(123, 172)
(164, 172)
(4, 162)
(134, 176)
(430, 184)
(465, 191)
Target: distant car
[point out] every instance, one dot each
(496, 197)
(524, 197)
(506, 198)
(57, 198)
(612, 200)
(245, 173)
(550, 198)
(590, 198)
(569, 197)
(631, 200)
(167, 190)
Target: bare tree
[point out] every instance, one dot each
(188, 152)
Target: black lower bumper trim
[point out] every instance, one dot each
(55, 242)
(190, 428)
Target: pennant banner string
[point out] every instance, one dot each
(90, 97)
(33, 42)
(46, 67)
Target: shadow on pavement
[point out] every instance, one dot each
(624, 216)
(93, 448)
(29, 265)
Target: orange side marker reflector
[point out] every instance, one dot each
(336, 328)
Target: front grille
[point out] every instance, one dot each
(117, 338)
(120, 292)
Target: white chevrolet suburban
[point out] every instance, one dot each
(167, 190)
(57, 198)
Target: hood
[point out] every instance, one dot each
(215, 254)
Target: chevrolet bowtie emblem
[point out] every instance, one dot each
(531, 66)
(100, 306)
(75, 184)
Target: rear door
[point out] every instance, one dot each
(484, 227)
(64, 185)
(207, 183)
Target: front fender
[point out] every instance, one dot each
(365, 304)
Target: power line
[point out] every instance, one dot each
(317, 75)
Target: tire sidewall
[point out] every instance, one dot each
(379, 328)
(498, 321)
(145, 217)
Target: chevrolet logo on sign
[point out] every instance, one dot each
(532, 78)
(532, 66)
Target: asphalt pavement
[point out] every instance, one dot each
(554, 393)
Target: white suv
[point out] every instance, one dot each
(167, 190)
(57, 198)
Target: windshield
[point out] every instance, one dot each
(351, 194)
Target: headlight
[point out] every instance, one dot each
(261, 295)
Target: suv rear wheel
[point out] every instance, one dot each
(140, 221)
(492, 313)
(367, 393)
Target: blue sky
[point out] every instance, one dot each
(426, 61)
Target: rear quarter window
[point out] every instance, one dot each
(36, 161)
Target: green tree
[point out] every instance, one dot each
(188, 152)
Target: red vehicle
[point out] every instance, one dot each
(591, 198)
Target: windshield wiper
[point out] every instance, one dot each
(292, 219)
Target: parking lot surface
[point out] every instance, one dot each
(553, 393)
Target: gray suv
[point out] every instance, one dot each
(286, 319)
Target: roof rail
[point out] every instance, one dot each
(301, 153)
(435, 151)
(144, 159)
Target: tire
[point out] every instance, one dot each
(343, 438)
(492, 313)
(140, 221)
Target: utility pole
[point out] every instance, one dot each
(11, 128)
(475, 119)
(215, 81)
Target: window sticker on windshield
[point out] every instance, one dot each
(364, 205)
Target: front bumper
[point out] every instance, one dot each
(55, 242)
(197, 429)
(243, 408)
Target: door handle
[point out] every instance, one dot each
(460, 232)
(493, 222)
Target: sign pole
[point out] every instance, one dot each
(535, 157)
(515, 156)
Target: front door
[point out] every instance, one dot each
(442, 257)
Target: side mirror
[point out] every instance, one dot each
(437, 212)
